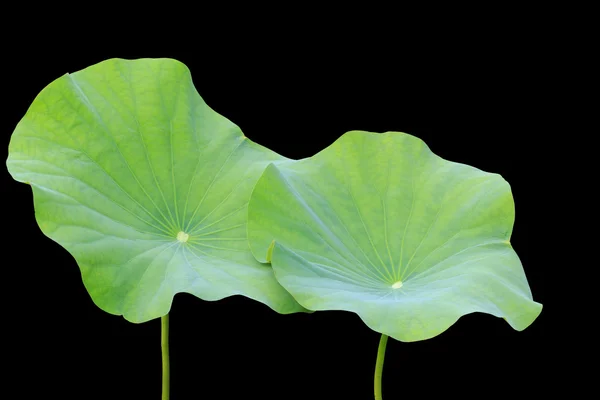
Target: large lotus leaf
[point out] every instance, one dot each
(146, 186)
(378, 225)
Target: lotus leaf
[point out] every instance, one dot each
(379, 225)
(146, 186)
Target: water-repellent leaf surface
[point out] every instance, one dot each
(146, 186)
(379, 225)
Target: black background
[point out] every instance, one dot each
(471, 97)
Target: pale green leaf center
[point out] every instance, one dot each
(397, 285)
(182, 236)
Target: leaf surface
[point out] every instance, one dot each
(379, 225)
(146, 186)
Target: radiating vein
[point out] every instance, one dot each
(47, 189)
(383, 198)
(443, 203)
(359, 263)
(365, 274)
(211, 184)
(151, 249)
(218, 205)
(432, 269)
(170, 114)
(173, 175)
(149, 265)
(220, 230)
(195, 136)
(318, 220)
(199, 243)
(219, 220)
(352, 276)
(94, 111)
(412, 206)
(349, 191)
(163, 229)
(138, 129)
(217, 238)
(463, 220)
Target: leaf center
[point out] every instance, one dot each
(182, 236)
(397, 285)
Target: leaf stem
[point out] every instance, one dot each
(164, 344)
(379, 366)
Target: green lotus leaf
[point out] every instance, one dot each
(146, 186)
(378, 225)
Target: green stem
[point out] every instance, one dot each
(164, 344)
(379, 366)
